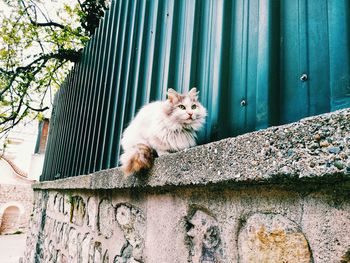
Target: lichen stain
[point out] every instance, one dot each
(77, 211)
(279, 246)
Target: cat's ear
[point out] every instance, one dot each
(193, 94)
(173, 96)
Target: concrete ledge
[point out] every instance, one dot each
(314, 150)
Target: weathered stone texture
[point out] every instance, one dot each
(249, 224)
(78, 210)
(92, 212)
(132, 222)
(271, 238)
(105, 218)
(204, 234)
(109, 233)
(331, 223)
(279, 195)
(35, 236)
(19, 197)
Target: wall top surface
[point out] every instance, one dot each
(313, 150)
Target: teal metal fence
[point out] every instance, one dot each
(256, 63)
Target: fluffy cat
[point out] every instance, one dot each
(162, 126)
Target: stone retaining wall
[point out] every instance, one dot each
(278, 195)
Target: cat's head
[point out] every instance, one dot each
(185, 109)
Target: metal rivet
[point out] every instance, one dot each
(304, 77)
(243, 103)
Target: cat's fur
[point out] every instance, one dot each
(162, 126)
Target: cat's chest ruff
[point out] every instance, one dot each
(177, 140)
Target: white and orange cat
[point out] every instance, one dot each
(162, 126)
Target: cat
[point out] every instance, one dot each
(162, 127)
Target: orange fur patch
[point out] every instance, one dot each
(141, 160)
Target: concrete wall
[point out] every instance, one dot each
(278, 195)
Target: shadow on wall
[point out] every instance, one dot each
(10, 216)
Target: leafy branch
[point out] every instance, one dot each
(37, 52)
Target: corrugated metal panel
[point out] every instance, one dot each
(245, 57)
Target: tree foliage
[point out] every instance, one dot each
(37, 48)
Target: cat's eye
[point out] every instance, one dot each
(182, 107)
(194, 106)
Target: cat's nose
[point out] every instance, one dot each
(190, 113)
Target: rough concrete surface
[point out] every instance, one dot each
(278, 195)
(313, 149)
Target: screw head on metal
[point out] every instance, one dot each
(304, 77)
(243, 103)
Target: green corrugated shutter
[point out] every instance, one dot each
(247, 59)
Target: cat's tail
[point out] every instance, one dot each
(140, 157)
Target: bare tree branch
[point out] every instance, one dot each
(36, 109)
(50, 24)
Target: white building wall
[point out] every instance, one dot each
(20, 147)
(7, 175)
